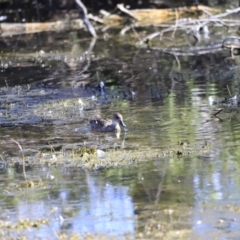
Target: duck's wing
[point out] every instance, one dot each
(100, 122)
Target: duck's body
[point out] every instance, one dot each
(107, 124)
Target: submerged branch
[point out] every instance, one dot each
(191, 51)
(215, 114)
(23, 161)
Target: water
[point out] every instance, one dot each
(184, 187)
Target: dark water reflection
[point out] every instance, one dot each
(195, 196)
(189, 197)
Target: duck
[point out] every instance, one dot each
(108, 125)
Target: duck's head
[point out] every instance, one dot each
(117, 117)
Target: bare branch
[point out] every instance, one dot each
(191, 24)
(84, 16)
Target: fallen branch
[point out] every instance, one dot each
(20, 28)
(194, 24)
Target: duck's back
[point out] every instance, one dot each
(102, 124)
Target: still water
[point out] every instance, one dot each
(194, 195)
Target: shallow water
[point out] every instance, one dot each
(170, 196)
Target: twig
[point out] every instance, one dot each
(84, 16)
(178, 62)
(23, 162)
(149, 37)
(125, 29)
(123, 9)
(176, 24)
(192, 51)
(2, 158)
(98, 76)
(135, 32)
(88, 56)
(215, 114)
(229, 91)
(228, 12)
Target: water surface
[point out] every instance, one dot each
(188, 186)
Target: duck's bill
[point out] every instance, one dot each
(122, 124)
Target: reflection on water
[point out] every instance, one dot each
(74, 200)
(186, 197)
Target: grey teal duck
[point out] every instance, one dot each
(107, 124)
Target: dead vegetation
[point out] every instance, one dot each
(170, 19)
(192, 21)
